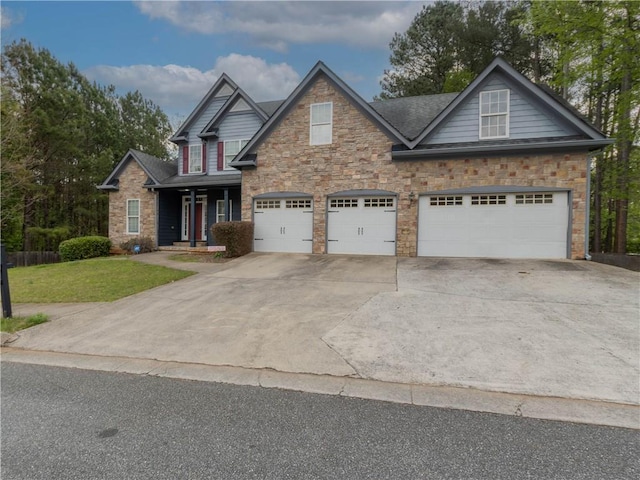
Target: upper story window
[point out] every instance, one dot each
(195, 158)
(231, 149)
(494, 114)
(321, 123)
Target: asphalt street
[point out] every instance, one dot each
(70, 424)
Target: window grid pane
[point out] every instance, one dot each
(444, 201)
(534, 199)
(488, 200)
(264, 204)
(195, 158)
(494, 110)
(343, 203)
(378, 202)
(298, 204)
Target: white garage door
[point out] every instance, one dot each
(510, 225)
(283, 225)
(362, 225)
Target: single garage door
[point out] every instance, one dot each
(504, 225)
(283, 225)
(362, 225)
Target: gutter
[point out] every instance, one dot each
(498, 149)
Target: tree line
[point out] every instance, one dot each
(61, 137)
(588, 52)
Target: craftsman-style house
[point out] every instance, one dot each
(498, 170)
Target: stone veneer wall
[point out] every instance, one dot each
(131, 183)
(360, 158)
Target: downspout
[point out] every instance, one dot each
(587, 210)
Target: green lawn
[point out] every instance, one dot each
(93, 280)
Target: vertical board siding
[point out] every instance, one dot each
(527, 118)
(169, 218)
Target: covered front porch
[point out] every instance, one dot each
(186, 215)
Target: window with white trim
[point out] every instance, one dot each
(231, 149)
(195, 158)
(133, 216)
(221, 210)
(494, 114)
(321, 123)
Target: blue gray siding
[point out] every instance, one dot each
(234, 126)
(527, 118)
(197, 125)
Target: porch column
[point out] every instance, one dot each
(227, 213)
(192, 220)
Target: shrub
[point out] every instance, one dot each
(145, 243)
(84, 247)
(237, 237)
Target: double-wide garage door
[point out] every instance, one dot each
(283, 225)
(505, 225)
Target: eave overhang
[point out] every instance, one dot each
(505, 149)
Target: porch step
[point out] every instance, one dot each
(188, 244)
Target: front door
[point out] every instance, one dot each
(201, 218)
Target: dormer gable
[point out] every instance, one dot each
(238, 103)
(502, 104)
(210, 104)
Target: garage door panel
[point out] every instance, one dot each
(510, 228)
(361, 226)
(283, 225)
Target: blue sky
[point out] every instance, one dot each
(174, 51)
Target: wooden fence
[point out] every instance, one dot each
(25, 259)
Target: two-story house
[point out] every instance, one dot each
(498, 170)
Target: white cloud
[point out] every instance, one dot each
(8, 17)
(177, 89)
(275, 25)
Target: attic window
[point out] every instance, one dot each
(321, 123)
(494, 114)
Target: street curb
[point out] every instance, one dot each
(530, 406)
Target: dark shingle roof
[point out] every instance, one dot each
(159, 169)
(410, 115)
(270, 107)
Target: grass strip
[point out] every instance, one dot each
(93, 280)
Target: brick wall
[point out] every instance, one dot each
(360, 158)
(130, 187)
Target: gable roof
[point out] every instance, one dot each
(499, 64)
(223, 80)
(320, 69)
(233, 100)
(157, 170)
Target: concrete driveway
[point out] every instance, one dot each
(557, 328)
